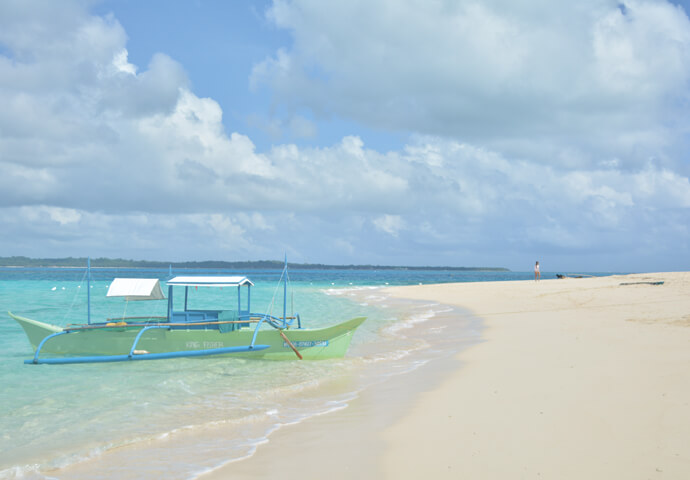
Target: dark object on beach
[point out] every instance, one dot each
(642, 283)
(558, 275)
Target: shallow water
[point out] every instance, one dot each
(179, 418)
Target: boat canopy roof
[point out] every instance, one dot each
(136, 289)
(194, 281)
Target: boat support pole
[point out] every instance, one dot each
(40, 346)
(256, 330)
(141, 332)
(280, 331)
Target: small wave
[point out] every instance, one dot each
(39, 472)
(410, 322)
(250, 453)
(254, 444)
(304, 417)
(348, 290)
(395, 355)
(26, 472)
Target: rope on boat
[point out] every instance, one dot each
(124, 314)
(269, 309)
(292, 291)
(74, 298)
(268, 314)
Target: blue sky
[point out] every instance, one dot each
(463, 133)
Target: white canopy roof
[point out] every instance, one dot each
(136, 289)
(210, 281)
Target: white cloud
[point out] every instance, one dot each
(536, 80)
(477, 201)
(64, 216)
(390, 224)
(120, 63)
(154, 91)
(43, 213)
(533, 150)
(644, 51)
(662, 188)
(255, 222)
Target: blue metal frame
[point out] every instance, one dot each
(40, 345)
(141, 356)
(146, 356)
(240, 312)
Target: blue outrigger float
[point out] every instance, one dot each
(186, 332)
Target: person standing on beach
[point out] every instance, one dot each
(537, 273)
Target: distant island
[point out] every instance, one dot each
(246, 265)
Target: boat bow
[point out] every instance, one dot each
(36, 331)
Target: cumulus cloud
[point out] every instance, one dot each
(390, 224)
(544, 80)
(519, 148)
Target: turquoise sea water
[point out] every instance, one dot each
(179, 418)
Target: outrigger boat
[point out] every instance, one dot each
(186, 332)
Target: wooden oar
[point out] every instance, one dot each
(299, 355)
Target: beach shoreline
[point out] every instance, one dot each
(576, 378)
(390, 345)
(347, 443)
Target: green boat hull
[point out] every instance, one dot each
(312, 344)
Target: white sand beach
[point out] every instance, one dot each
(577, 378)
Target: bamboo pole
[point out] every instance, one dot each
(287, 340)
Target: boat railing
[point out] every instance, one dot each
(276, 322)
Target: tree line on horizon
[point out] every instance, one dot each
(21, 261)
